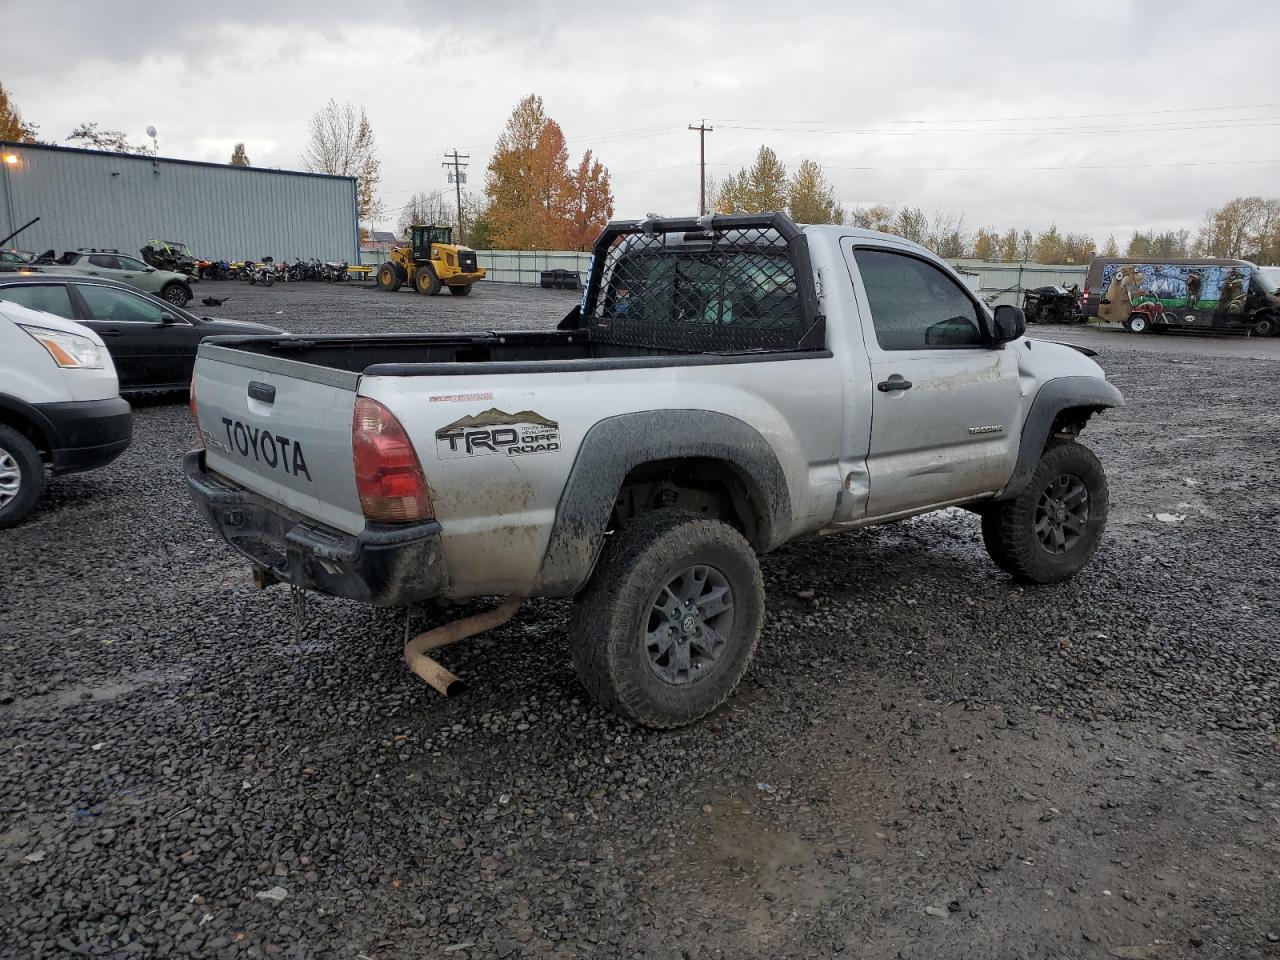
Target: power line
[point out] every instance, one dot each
(1061, 116)
(1165, 127)
(1098, 166)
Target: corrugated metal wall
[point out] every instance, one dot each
(526, 266)
(91, 199)
(1005, 282)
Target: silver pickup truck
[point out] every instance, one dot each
(727, 384)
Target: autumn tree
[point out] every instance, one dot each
(12, 127)
(1078, 248)
(532, 198)
(761, 187)
(986, 243)
(426, 207)
(877, 217)
(527, 186)
(1026, 246)
(910, 223)
(1247, 227)
(1139, 245)
(946, 235)
(591, 202)
(92, 136)
(1009, 245)
(340, 142)
(1048, 246)
(1110, 249)
(438, 208)
(810, 199)
(238, 156)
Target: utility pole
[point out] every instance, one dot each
(703, 130)
(458, 178)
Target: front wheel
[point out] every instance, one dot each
(1137, 323)
(669, 621)
(1051, 529)
(21, 476)
(388, 277)
(425, 281)
(461, 290)
(1265, 326)
(178, 294)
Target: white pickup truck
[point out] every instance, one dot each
(727, 384)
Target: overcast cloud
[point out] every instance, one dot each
(844, 83)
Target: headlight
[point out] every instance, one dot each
(67, 349)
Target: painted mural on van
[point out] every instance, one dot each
(1188, 293)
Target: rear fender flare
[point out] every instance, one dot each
(615, 446)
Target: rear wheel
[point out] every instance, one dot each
(21, 476)
(179, 294)
(1265, 326)
(389, 277)
(425, 280)
(461, 290)
(1052, 528)
(669, 621)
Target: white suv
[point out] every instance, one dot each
(60, 405)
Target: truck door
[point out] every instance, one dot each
(946, 405)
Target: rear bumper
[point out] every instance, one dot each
(385, 565)
(87, 434)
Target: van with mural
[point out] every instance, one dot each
(1147, 295)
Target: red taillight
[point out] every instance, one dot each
(191, 395)
(389, 477)
(1086, 294)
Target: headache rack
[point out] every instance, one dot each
(719, 284)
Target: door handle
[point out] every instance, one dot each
(109, 333)
(895, 382)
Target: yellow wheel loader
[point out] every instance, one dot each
(429, 260)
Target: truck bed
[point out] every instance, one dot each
(415, 354)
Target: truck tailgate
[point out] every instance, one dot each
(282, 429)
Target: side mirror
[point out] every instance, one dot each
(1010, 323)
(168, 318)
(149, 269)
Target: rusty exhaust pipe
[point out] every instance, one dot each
(432, 672)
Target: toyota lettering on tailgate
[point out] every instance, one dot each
(276, 451)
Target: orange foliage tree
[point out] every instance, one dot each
(533, 200)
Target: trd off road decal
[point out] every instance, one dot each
(496, 431)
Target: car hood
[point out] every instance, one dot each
(216, 326)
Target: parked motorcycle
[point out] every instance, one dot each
(262, 272)
(335, 270)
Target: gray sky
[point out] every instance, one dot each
(1106, 89)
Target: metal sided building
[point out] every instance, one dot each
(94, 198)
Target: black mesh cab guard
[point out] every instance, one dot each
(725, 283)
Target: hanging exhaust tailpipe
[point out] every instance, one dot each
(432, 672)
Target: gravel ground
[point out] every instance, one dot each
(925, 760)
